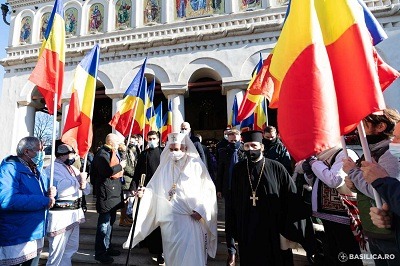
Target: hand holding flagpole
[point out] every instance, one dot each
(367, 156)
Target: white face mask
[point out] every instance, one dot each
(394, 149)
(185, 131)
(153, 143)
(176, 155)
(226, 137)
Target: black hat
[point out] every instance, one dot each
(65, 149)
(251, 136)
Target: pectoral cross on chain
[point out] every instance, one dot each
(254, 198)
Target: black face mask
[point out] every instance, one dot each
(372, 139)
(253, 155)
(235, 145)
(130, 146)
(69, 161)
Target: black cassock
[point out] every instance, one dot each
(257, 228)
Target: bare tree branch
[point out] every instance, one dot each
(43, 127)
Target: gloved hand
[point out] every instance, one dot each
(307, 165)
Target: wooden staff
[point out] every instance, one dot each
(142, 178)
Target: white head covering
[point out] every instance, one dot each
(182, 139)
(175, 137)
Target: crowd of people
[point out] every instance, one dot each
(272, 204)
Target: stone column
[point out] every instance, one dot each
(64, 108)
(168, 11)
(231, 90)
(178, 111)
(116, 104)
(175, 94)
(231, 6)
(26, 126)
(138, 14)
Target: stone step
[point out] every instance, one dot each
(139, 256)
(86, 242)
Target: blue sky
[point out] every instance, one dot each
(3, 43)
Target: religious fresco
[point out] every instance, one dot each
(249, 4)
(44, 21)
(96, 18)
(123, 17)
(71, 21)
(26, 30)
(198, 8)
(152, 11)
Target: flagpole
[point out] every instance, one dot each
(343, 141)
(53, 145)
(159, 130)
(144, 125)
(85, 162)
(266, 113)
(367, 156)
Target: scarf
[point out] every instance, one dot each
(350, 204)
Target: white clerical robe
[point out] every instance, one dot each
(186, 241)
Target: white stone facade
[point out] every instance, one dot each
(222, 47)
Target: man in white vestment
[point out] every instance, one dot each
(181, 199)
(66, 215)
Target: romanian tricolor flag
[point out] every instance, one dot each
(48, 74)
(378, 34)
(329, 73)
(149, 107)
(157, 119)
(247, 124)
(356, 67)
(307, 118)
(78, 124)
(122, 120)
(232, 121)
(167, 123)
(140, 114)
(252, 96)
(260, 115)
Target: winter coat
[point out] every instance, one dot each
(23, 203)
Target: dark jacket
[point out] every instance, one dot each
(199, 148)
(147, 163)
(389, 189)
(108, 191)
(129, 170)
(225, 156)
(275, 150)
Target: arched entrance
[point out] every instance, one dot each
(102, 114)
(205, 108)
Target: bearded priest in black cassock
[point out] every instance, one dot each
(263, 197)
